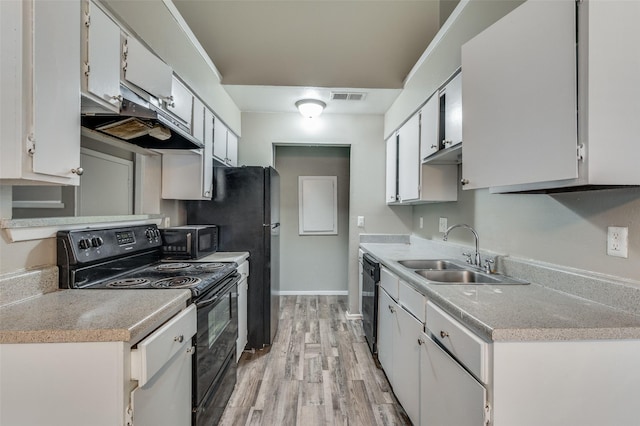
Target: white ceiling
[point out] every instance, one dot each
(273, 53)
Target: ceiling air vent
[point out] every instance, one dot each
(347, 96)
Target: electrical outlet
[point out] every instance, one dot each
(167, 222)
(618, 241)
(421, 222)
(442, 225)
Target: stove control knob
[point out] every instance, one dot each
(97, 241)
(84, 243)
(150, 234)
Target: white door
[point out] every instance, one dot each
(453, 112)
(386, 320)
(429, 127)
(392, 169)
(103, 57)
(406, 359)
(448, 394)
(409, 159)
(56, 88)
(520, 107)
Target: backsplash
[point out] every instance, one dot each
(22, 285)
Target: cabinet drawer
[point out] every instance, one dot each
(412, 301)
(153, 352)
(389, 282)
(243, 269)
(471, 351)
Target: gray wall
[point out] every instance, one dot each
(567, 229)
(363, 133)
(316, 264)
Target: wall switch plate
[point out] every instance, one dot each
(618, 241)
(360, 221)
(421, 222)
(442, 225)
(167, 222)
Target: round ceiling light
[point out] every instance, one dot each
(310, 108)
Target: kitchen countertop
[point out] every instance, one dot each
(226, 256)
(531, 312)
(89, 315)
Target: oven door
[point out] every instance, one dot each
(216, 334)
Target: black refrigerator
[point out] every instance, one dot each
(246, 208)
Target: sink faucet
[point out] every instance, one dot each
(477, 261)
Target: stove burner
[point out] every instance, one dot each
(172, 266)
(177, 282)
(210, 267)
(128, 283)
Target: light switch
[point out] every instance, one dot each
(360, 221)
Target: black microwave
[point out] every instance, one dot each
(189, 241)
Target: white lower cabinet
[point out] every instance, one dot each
(398, 352)
(243, 290)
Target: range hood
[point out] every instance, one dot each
(141, 123)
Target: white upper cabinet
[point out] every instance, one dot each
(225, 144)
(525, 109)
(409, 160)
(198, 119)
(181, 101)
(146, 71)
(101, 57)
(451, 97)
(40, 89)
(392, 169)
(232, 149)
(429, 129)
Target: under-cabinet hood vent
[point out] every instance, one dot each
(348, 96)
(141, 123)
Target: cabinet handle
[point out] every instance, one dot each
(116, 98)
(446, 142)
(79, 171)
(444, 334)
(420, 341)
(464, 181)
(434, 146)
(179, 338)
(392, 309)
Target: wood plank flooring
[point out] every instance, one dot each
(319, 371)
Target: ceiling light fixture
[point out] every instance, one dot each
(310, 108)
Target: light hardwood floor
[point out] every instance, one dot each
(319, 371)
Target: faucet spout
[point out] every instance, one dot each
(477, 260)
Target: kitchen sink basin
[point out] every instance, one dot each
(433, 264)
(465, 277)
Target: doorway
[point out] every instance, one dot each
(313, 264)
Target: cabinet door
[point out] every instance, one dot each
(232, 149)
(146, 70)
(56, 88)
(406, 361)
(386, 324)
(519, 107)
(429, 135)
(219, 140)
(208, 153)
(103, 61)
(181, 104)
(197, 128)
(241, 342)
(409, 160)
(448, 394)
(392, 169)
(453, 112)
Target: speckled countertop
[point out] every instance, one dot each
(89, 315)
(531, 312)
(226, 256)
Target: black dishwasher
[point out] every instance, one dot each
(370, 283)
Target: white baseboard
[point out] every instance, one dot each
(352, 317)
(314, 293)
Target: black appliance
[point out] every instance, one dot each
(189, 242)
(370, 286)
(246, 208)
(131, 258)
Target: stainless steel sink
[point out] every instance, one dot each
(465, 277)
(435, 264)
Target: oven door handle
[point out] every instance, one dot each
(232, 280)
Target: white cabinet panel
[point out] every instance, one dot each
(389, 282)
(452, 93)
(429, 127)
(220, 140)
(103, 57)
(232, 149)
(198, 120)
(183, 176)
(392, 169)
(147, 71)
(181, 104)
(520, 106)
(386, 324)
(241, 342)
(449, 395)
(409, 159)
(406, 359)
